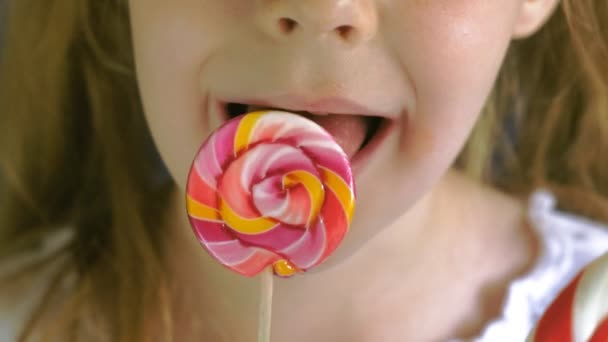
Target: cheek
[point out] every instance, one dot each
(451, 50)
(171, 43)
(172, 34)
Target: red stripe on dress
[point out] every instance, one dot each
(556, 324)
(601, 333)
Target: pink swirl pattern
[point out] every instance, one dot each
(270, 188)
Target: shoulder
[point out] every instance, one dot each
(567, 244)
(21, 290)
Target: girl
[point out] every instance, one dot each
(454, 114)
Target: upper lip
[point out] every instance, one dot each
(323, 105)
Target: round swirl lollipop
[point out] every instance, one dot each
(270, 188)
(580, 312)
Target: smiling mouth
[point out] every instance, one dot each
(354, 133)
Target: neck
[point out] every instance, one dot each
(350, 292)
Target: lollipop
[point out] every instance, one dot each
(580, 312)
(270, 188)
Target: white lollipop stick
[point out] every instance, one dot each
(265, 312)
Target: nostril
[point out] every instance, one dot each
(287, 25)
(345, 31)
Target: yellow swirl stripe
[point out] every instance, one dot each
(313, 186)
(201, 211)
(341, 189)
(243, 133)
(243, 225)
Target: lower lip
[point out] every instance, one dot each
(363, 156)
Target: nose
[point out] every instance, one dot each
(348, 21)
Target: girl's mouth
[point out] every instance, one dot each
(356, 134)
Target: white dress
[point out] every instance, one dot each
(568, 243)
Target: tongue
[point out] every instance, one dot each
(349, 131)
